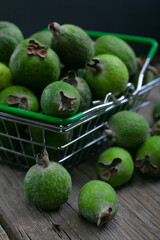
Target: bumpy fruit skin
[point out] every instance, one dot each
(5, 76)
(10, 37)
(47, 188)
(151, 148)
(73, 46)
(124, 169)
(130, 129)
(113, 77)
(113, 45)
(20, 91)
(96, 197)
(156, 111)
(51, 99)
(43, 37)
(32, 71)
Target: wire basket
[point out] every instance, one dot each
(23, 134)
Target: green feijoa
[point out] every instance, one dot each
(47, 185)
(34, 66)
(10, 37)
(43, 37)
(106, 74)
(60, 99)
(128, 129)
(19, 97)
(156, 128)
(113, 45)
(83, 88)
(98, 202)
(148, 157)
(156, 111)
(115, 166)
(5, 76)
(72, 44)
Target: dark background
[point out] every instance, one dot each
(138, 17)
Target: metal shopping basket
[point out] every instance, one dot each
(23, 134)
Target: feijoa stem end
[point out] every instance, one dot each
(42, 159)
(55, 28)
(96, 66)
(104, 217)
(145, 165)
(21, 102)
(71, 78)
(109, 169)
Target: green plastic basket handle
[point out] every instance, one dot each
(76, 117)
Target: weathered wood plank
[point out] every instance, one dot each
(3, 235)
(138, 216)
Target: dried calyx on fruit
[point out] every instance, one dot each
(156, 128)
(83, 88)
(20, 102)
(96, 66)
(36, 49)
(109, 169)
(115, 166)
(145, 165)
(66, 103)
(148, 157)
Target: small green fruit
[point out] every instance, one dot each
(98, 202)
(107, 74)
(60, 99)
(115, 166)
(148, 157)
(34, 66)
(5, 76)
(10, 37)
(83, 88)
(156, 128)
(128, 129)
(113, 45)
(47, 185)
(19, 97)
(72, 44)
(156, 111)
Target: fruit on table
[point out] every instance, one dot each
(72, 44)
(60, 99)
(44, 37)
(127, 129)
(109, 44)
(19, 97)
(98, 202)
(34, 66)
(115, 166)
(10, 37)
(156, 128)
(47, 185)
(5, 76)
(156, 111)
(148, 157)
(83, 88)
(106, 74)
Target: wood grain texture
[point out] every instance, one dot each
(138, 216)
(3, 235)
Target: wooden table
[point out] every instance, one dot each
(138, 217)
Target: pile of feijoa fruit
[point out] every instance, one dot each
(58, 73)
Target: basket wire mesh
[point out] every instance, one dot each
(22, 138)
